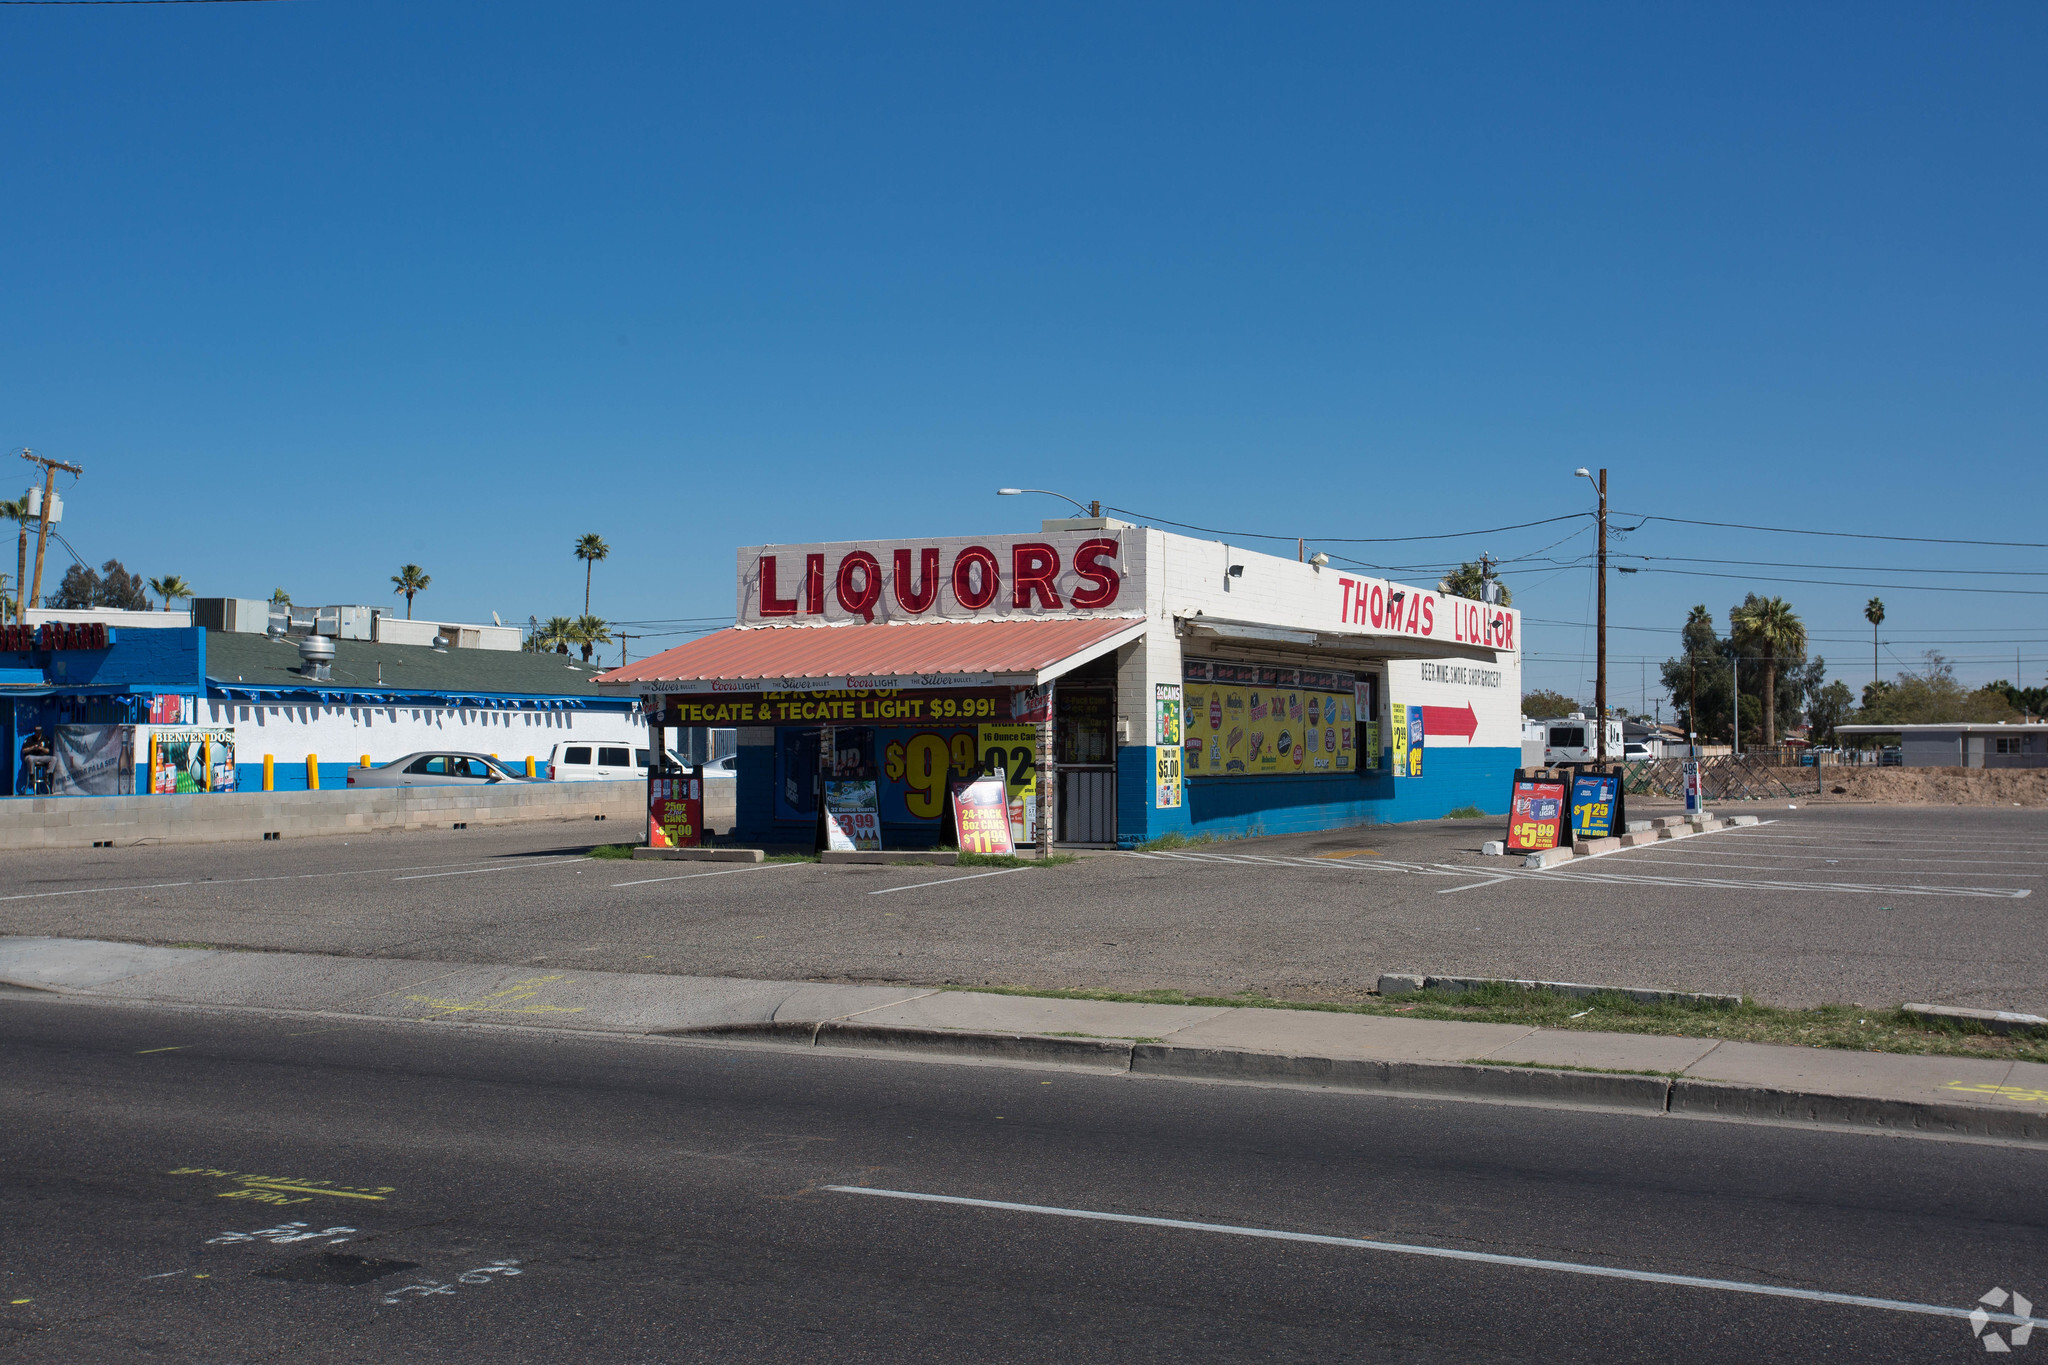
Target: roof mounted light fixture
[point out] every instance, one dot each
(1092, 509)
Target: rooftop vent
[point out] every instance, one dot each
(316, 658)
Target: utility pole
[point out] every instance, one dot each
(50, 468)
(622, 637)
(1736, 724)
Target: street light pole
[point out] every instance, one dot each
(1600, 686)
(1600, 672)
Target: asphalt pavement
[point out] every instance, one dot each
(464, 1194)
(1862, 904)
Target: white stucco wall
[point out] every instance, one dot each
(343, 734)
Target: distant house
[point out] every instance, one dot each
(1963, 744)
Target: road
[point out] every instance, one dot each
(665, 1201)
(1860, 904)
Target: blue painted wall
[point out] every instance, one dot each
(1235, 807)
(170, 659)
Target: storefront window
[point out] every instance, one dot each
(1082, 725)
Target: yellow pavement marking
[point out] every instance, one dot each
(272, 1189)
(500, 1002)
(2020, 1094)
(22, 1301)
(146, 1051)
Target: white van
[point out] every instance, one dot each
(600, 760)
(1572, 740)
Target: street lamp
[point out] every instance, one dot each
(1600, 680)
(1093, 509)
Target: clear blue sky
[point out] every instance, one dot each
(313, 289)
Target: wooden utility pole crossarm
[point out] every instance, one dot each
(50, 468)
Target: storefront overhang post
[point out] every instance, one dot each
(1045, 774)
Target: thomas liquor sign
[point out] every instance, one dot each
(1062, 572)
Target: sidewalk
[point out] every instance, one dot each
(1933, 1096)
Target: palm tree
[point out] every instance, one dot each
(168, 587)
(590, 632)
(1874, 613)
(557, 633)
(17, 508)
(590, 549)
(410, 578)
(1769, 626)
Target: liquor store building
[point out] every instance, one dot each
(1130, 683)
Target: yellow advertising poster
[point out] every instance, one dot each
(1013, 748)
(1398, 716)
(1246, 729)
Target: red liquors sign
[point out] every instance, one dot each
(966, 577)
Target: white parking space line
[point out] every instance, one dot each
(722, 872)
(944, 881)
(237, 881)
(1490, 881)
(1783, 871)
(501, 867)
(1455, 1254)
(1845, 857)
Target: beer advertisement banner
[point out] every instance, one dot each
(1536, 819)
(853, 816)
(1243, 720)
(981, 816)
(675, 812)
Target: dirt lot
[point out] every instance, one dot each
(1938, 786)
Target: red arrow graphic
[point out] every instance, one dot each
(1449, 720)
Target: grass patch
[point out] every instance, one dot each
(1173, 838)
(1012, 860)
(611, 851)
(1467, 813)
(1849, 1027)
(790, 858)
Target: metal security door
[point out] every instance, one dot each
(1087, 809)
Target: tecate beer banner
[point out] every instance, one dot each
(965, 577)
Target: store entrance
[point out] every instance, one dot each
(1084, 758)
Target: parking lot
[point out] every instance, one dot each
(1863, 904)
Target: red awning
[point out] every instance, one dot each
(783, 657)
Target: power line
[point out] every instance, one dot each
(1342, 540)
(1839, 583)
(1845, 568)
(1846, 535)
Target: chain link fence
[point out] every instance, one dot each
(1745, 777)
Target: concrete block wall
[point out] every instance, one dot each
(202, 818)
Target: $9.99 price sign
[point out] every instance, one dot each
(1535, 818)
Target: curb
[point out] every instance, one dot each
(1619, 1091)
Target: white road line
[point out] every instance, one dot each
(1775, 1291)
(1771, 867)
(722, 872)
(914, 886)
(501, 867)
(1492, 881)
(1149, 857)
(234, 881)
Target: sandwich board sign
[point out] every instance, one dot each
(1596, 802)
(1536, 816)
(981, 816)
(853, 816)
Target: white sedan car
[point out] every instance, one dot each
(432, 769)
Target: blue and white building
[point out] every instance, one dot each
(1190, 685)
